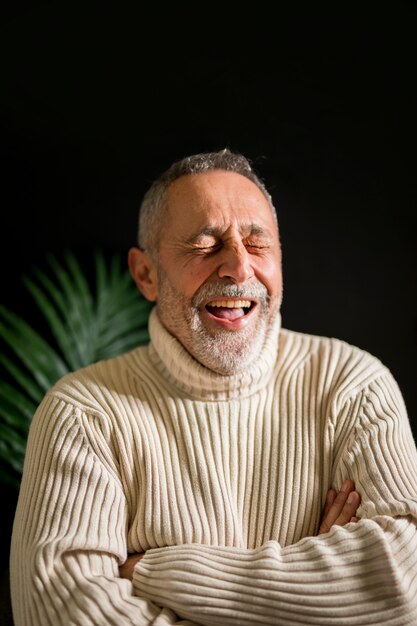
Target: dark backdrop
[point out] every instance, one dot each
(96, 101)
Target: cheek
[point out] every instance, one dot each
(270, 274)
(188, 279)
(196, 277)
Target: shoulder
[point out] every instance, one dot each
(348, 367)
(310, 344)
(95, 386)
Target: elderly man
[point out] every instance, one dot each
(207, 455)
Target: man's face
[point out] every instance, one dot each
(219, 269)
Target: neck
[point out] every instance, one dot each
(200, 381)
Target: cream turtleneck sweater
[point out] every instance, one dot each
(221, 481)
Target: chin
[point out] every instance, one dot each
(227, 353)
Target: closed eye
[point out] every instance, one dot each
(207, 249)
(257, 246)
(213, 248)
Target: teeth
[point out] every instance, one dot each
(231, 304)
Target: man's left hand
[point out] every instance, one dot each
(340, 508)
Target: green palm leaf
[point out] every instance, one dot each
(31, 349)
(85, 320)
(19, 375)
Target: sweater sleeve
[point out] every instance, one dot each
(69, 533)
(359, 574)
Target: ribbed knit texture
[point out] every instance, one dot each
(221, 480)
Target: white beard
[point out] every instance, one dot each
(223, 351)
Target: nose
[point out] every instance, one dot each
(235, 263)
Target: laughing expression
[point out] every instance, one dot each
(219, 278)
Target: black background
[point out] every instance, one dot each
(96, 101)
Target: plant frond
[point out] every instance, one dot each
(23, 378)
(12, 448)
(85, 323)
(57, 326)
(124, 344)
(36, 354)
(9, 395)
(79, 302)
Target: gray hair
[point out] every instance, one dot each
(154, 203)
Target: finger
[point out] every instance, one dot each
(335, 510)
(330, 498)
(349, 509)
(339, 502)
(347, 512)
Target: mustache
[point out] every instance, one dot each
(250, 291)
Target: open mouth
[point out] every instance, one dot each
(228, 309)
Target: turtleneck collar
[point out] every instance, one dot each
(174, 362)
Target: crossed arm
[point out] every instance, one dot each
(64, 568)
(340, 509)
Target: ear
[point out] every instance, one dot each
(144, 273)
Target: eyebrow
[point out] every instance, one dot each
(216, 231)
